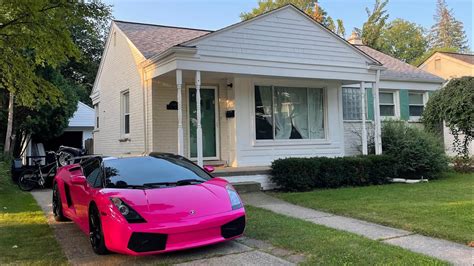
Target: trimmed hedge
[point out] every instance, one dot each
(303, 174)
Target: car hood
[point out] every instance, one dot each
(177, 203)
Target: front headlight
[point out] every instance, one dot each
(234, 197)
(128, 213)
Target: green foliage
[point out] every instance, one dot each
(45, 121)
(302, 174)
(419, 153)
(341, 30)
(454, 105)
(403, 40)
(33, 34)
(447, 31)
(373, 27)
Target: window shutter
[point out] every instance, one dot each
(370, 104)
(404, 105)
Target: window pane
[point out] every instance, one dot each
(386, 97)
(416, 110)
(291, 113)
(351, 104)
(416, 98)
(263, 113)
(316, 113)
(387, 110)
(126, 102)
(127, 124)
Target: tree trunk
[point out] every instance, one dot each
(8, 134)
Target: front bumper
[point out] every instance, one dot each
(154, 237)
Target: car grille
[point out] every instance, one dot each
(144, 242)
(233, 228)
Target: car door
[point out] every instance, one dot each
(82, 194)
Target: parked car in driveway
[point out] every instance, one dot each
(148, 204)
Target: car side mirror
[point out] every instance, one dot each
(209, 168)
(78, 179)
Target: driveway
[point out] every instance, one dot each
(240, 252)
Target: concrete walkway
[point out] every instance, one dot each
(243, 251)
(444, 250)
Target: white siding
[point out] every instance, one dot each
(251, 153)
(119, 72)
(285, 40)
(83, 117)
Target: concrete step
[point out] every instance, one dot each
(247, 187)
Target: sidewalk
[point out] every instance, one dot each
(441, 249)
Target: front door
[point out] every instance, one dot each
(208, 123)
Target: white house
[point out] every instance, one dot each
(274, 86)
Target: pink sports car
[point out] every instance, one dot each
(147, 205)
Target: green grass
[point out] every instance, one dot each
(325, 246)
(442, 208)
(25, 237)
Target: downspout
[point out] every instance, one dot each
(145, 107)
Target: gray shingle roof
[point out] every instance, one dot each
(468, 58)
(398, 70)
(151, 40)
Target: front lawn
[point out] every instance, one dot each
(25, 237)
(441, 208)
(325, 246)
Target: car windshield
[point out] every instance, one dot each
(152, 172)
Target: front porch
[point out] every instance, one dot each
(236, 126)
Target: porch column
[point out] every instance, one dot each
(198, 118)
(364, 129)
(179, 85)
(378, 126)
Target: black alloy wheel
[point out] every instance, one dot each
(96, 235)
(57, 206)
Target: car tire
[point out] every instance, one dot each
(96, 235)
(57, 205)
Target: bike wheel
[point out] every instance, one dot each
(28, 180)
(64, 157)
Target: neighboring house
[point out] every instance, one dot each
(79, 129)
(275, 86)
(448, 66)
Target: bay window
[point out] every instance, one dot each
(289, 113)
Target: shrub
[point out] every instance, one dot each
(418, 152)
(302, 174)
(463, 165)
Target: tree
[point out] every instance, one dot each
(453, 105)
(372, 28)
(341, 31)
(447, 31)
(32, 34)
(41, 43)
(88, 33)
(403, 40)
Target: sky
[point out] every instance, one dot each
(216, 14)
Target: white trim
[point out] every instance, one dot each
(363, 115)
(123, 114)
(425, 96)
(188, 127)
(396, 103)
(287, 142)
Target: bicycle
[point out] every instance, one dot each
(31, 178)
